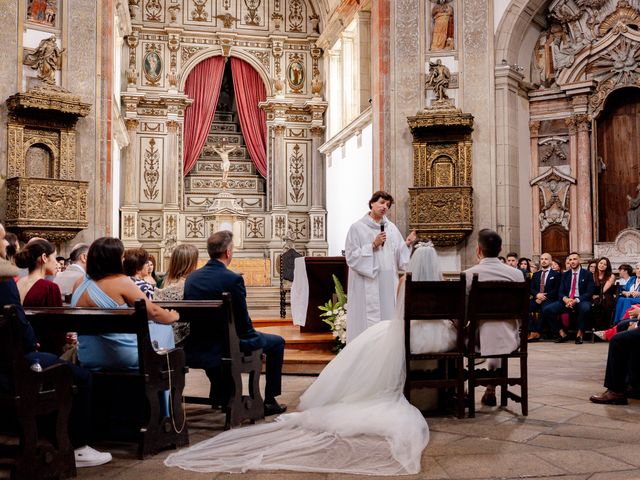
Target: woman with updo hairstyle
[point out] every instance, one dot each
(39, 258)
(107, 286)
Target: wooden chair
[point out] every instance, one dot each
(429, 301)
(498, 301)
(158, 373)
(30, 396)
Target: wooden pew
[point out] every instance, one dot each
(214, 318)
(31, 395)
(158, 371)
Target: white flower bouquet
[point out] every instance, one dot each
(335, 315)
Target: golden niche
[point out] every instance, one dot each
(44, 198)
(441, 199)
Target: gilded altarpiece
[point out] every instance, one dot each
(44, 199)
(161, 208)
(441, 199)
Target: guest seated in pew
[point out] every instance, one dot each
(136, 265)
(603, 296)
(184, 260)
(629, 321)
(544, 290)
(629, 296)
(209, 283)
(495, 337)
(39, 258)
(106, 286)
(625, 271)
(576, 295)
(80, 420)
(76, 270)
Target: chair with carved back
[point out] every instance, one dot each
(26, 398)
(501, 302)
(435, 301)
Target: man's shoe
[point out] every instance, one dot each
(90, 457)
(489, 399)
(578, 340)
(561, 339)
(600, 334)
(533, 337)
(633, 393)
(610, 397)
(274, 408)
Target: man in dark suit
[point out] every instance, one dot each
(544, 291)
(576, 293)
(209, 283)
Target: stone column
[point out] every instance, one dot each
(171, 174)
(583, 186)
(534, 128)
(573, 196)
(317, 169)
(130, 169)
(279, 182)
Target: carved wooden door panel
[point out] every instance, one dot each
(555, 241)
(618, 136)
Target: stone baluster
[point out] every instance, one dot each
(172, 176)
(279, 183)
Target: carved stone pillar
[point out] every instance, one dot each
(573, 165)
(129, 172)
(583, 187)
(279, 182)
(317, 169)
(534, 129)
(171, 173)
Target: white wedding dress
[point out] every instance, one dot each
(352, 419)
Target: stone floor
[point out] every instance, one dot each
(564, 437)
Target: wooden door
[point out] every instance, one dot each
(555, 241)
(618, 135)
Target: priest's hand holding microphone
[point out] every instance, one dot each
(382, 237)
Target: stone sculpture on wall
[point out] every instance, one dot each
(45, 59)
(553, 190)
(443, 25)
(438, 79)
(633, 216)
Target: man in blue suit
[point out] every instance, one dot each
(544, 291)
(209, 283)
(576, 293)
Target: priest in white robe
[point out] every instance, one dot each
(376, 252)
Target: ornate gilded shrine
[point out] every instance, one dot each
(441, 199)
(43, 196)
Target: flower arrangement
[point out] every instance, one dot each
(335, 315)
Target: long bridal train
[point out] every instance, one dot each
(353, 419)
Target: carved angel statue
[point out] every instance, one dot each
(45, 59)
(438, 79)
(224, 150)
(633, 215)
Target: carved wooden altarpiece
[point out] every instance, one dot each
(44, 198)
(441, 200)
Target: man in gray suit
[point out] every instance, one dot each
(495, 337)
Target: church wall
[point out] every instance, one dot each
(82, 33)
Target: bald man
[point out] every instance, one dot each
(544, 290)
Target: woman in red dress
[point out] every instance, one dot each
(39, 257)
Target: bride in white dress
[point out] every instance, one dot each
(352, 419)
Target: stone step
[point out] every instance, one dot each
(297, 340)
(263, 321)
(305, 362)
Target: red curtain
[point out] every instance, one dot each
(249, 90)
(203, 86)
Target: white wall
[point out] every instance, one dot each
(349, 183)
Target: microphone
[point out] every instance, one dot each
(382, 231)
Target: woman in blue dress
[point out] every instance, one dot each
(629, 296)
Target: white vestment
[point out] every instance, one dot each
(373, 274)
(496, 337)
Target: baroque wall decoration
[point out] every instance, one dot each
(153, 10)
(295, 72)
(151, 172)
(150, 227)
(255, 227)
(553, 187)
(252, 17)
(199, 12)
(553, 151)
(297, 174)
(296, 16)
(194, 227)
(152, 64)
(43, 12)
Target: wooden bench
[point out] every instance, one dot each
(214, 319)
(157, 373)
(31, 395)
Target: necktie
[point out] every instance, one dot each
(573, 286)
(542, 280)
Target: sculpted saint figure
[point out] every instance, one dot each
(633, 215)
(45, 59)
(438, 79)
(224, 151)
(442, 14)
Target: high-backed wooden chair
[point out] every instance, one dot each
(498, 301)
(430, 301)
